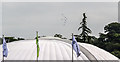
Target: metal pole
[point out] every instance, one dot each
(3, 58)
(37, 45)
(72, 48)
(3, 50)
(37, 59)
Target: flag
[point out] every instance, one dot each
(5, 50)
(37, 43)
(76, 46)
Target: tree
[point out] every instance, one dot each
(112, 28)
(58, 35)
(85, 29)
(102, 37)
(92, 39)
(111, 39)
(117, 53)
(112, 31)
(10, 39)
(20, 38)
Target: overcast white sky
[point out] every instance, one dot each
(23, 19)
(59, 0)
(0, 19)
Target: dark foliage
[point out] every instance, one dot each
(85, 30)
(109, 40)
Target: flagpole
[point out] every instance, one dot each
(72, 48)
(2, 52)
(37, 45)
(37, 59)
(3, 58)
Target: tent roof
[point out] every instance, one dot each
(52, 48)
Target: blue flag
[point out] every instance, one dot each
(5, 50)
(76, 46)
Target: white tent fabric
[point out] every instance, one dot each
(98, 53)
(53, 49)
